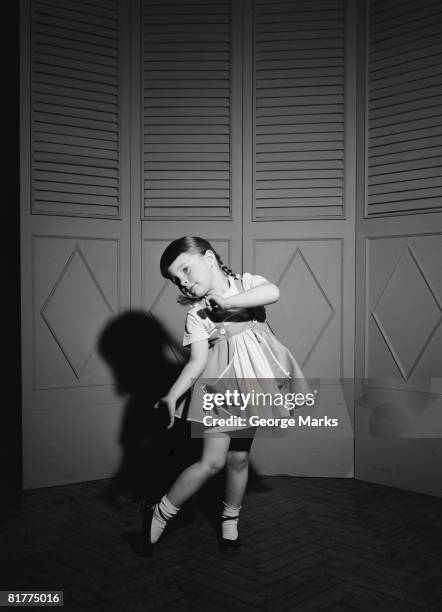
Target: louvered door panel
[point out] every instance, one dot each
(404, 108)
(299, 109)
(187, 109)
(74, 233)
(75, 112)
(398, 336)
(297, 55)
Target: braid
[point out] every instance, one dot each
(225, 268)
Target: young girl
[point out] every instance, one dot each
(230, 342)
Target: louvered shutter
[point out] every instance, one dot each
(299, 109)
(187, 106)
(404, 107)
(75, 108)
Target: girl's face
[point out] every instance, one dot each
(193, 273)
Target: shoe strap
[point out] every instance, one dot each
(229, 518)
(161, 513)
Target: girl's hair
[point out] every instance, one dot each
(192, 244)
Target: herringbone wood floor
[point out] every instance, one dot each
(309, 544)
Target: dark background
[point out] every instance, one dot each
(10, 437)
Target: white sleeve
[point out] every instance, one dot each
(250, 281)
(194, 329)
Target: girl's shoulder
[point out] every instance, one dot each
(197, 325)
(249, 281)
(195, 310)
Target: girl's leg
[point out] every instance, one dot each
(212, 461)
(236, 483)
(188, 482)
(238, 469)
(236, 477)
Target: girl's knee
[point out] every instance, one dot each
(237, 460)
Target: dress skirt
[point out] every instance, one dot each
(245, 357)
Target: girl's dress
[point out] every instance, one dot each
(244, 356)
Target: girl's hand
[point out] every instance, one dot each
(216, 302)
(171, 407)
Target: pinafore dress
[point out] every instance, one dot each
(246, 356)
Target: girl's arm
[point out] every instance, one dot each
(267, 293)
(199, 351)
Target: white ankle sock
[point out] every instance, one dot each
(163, 512)
(230, 527)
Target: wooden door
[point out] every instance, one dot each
(75, 233)
(190, 170)
(299, 210)
(399, 247)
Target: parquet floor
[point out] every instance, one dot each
(309, 544)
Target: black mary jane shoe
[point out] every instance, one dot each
(145, 546)
(226, 545)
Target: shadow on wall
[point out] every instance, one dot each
(135, 346)
(401, 413)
